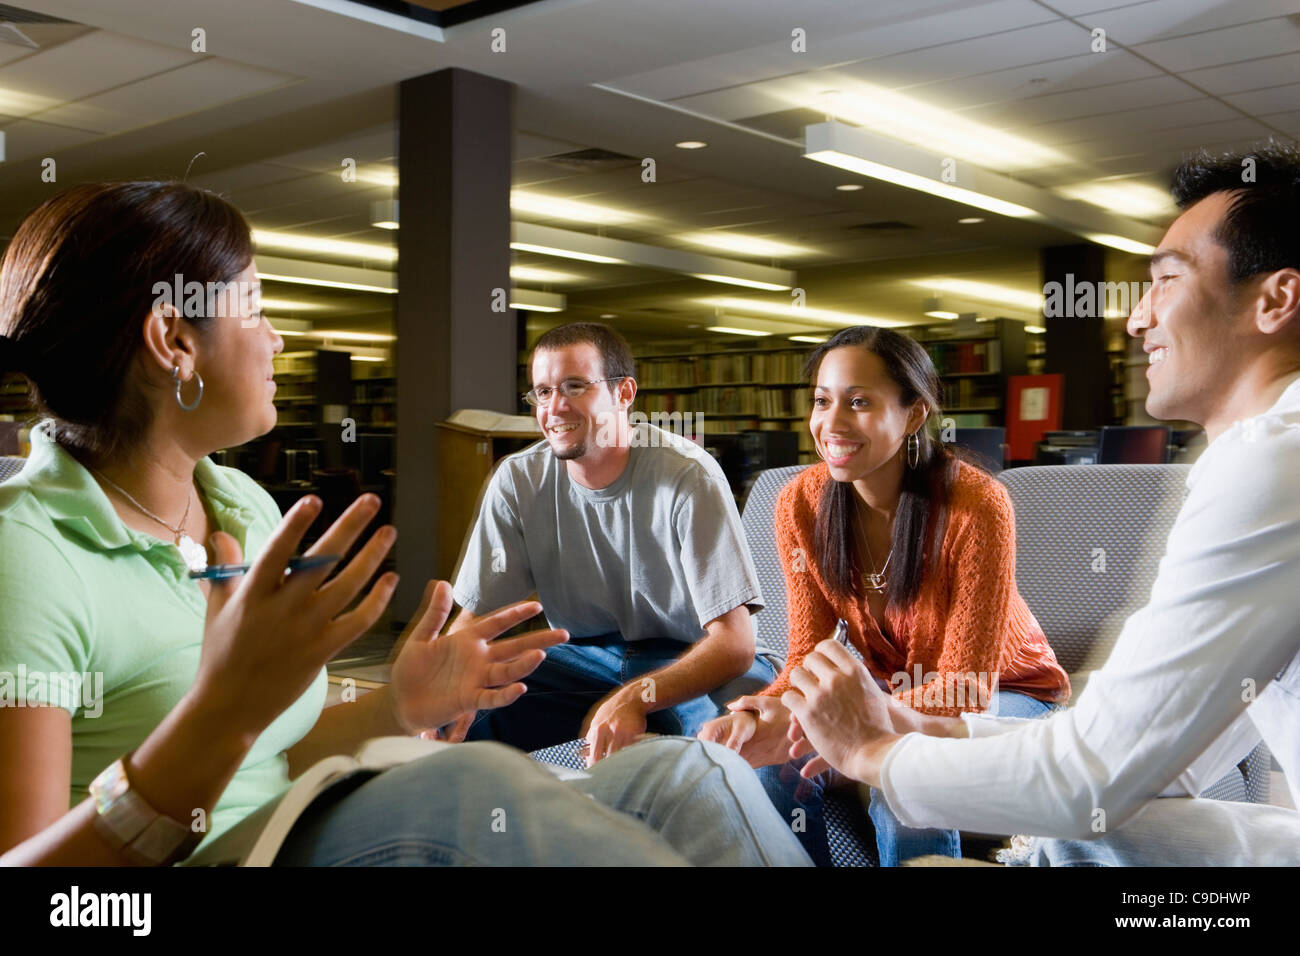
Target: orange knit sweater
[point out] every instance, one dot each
(967, 624)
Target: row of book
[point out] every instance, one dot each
(730, 400)
(775, 367)
(960, 358)
(972, 393)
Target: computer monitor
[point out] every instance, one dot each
(1134, 445)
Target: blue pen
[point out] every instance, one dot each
(218, 572)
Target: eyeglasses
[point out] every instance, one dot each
(570, 388)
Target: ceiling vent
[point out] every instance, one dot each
(590, 160)
(12, 34)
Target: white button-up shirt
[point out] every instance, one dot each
(1211, 664)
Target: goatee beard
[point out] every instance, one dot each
(568, 455)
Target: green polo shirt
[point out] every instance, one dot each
(104, 620)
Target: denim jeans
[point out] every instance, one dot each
(662, 802)
(895, 842)
(576, 675)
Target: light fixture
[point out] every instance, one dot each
(298, 242)
(970, 220)
(934, 309)
(564, 253)
(800, 314)
(690, 144)
(983, 291)
(1123, 195)
(529, 300)
(383, 214)
(377, 175)
(345, 335)
(290, 305)
(325, 275)
(583, 245)
(881, 157)
(608, 315)
(941, 314)
(916, 122)
(365, 358)
(733, 331)
(1121, 243)
(1035, 329)
(849, 187)
(533, 274)
(748, 283)
(814, 339)
(556, 207)
(744, 245)
(291, 327)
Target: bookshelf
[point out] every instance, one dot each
(974, 361)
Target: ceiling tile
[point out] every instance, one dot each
(1157, 19)
(26, 138)
(1276, 99)
(1215, 48)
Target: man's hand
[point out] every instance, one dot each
(756, 728)
(841, 713)
(438, 679)
(615, 722)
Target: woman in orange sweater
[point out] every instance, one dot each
(915, 549)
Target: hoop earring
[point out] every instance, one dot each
(913, 449)
(176, 378)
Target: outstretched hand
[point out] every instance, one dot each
(438, 678)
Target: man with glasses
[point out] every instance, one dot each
(630, 538)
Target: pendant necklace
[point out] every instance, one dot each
(194, 554)
(872, 579)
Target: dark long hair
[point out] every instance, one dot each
(77, 282)
(923, 498)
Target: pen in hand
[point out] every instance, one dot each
(301, 563)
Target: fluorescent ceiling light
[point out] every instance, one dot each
(296, 242)
(533, 274)
(555, 207)
(1121, 243)
(583, 245)
(365, 358)
(939, 131)
(377, 175)
(901, 177)
(344, 335)
(970, 220)
(290, 305)
(815, 339)
(691, 144)
(984, 291)
(530, 300)
(801, 314)
(744, 245)
(326, 275)
(1123, 196)
(749, 283)
(1035, 329)
(941, 314)
(731, 331)
(564, 253)
(849, 187)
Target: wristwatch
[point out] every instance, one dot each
(132, 827)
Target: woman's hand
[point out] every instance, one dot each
(439, 678)
(757, 728)
(267, 636)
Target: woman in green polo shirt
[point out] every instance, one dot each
(132, 309)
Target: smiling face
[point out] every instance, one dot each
(571, 425)
(236, 364)
(1192, 322)
(858, 419)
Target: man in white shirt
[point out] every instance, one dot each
(1220, 636)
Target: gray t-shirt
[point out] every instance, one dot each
(658, 553)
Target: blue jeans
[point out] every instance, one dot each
(895, 842)
(576, 675)
(662, 802)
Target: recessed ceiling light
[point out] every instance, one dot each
(849, 187)
(691, 144)
(971, 220)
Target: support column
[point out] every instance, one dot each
(455, 137)
(1076, 343)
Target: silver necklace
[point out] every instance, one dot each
(196, 557)
(874, 580)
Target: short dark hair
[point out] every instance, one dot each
(77, 281)
(615, 354)
(1261, 229)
